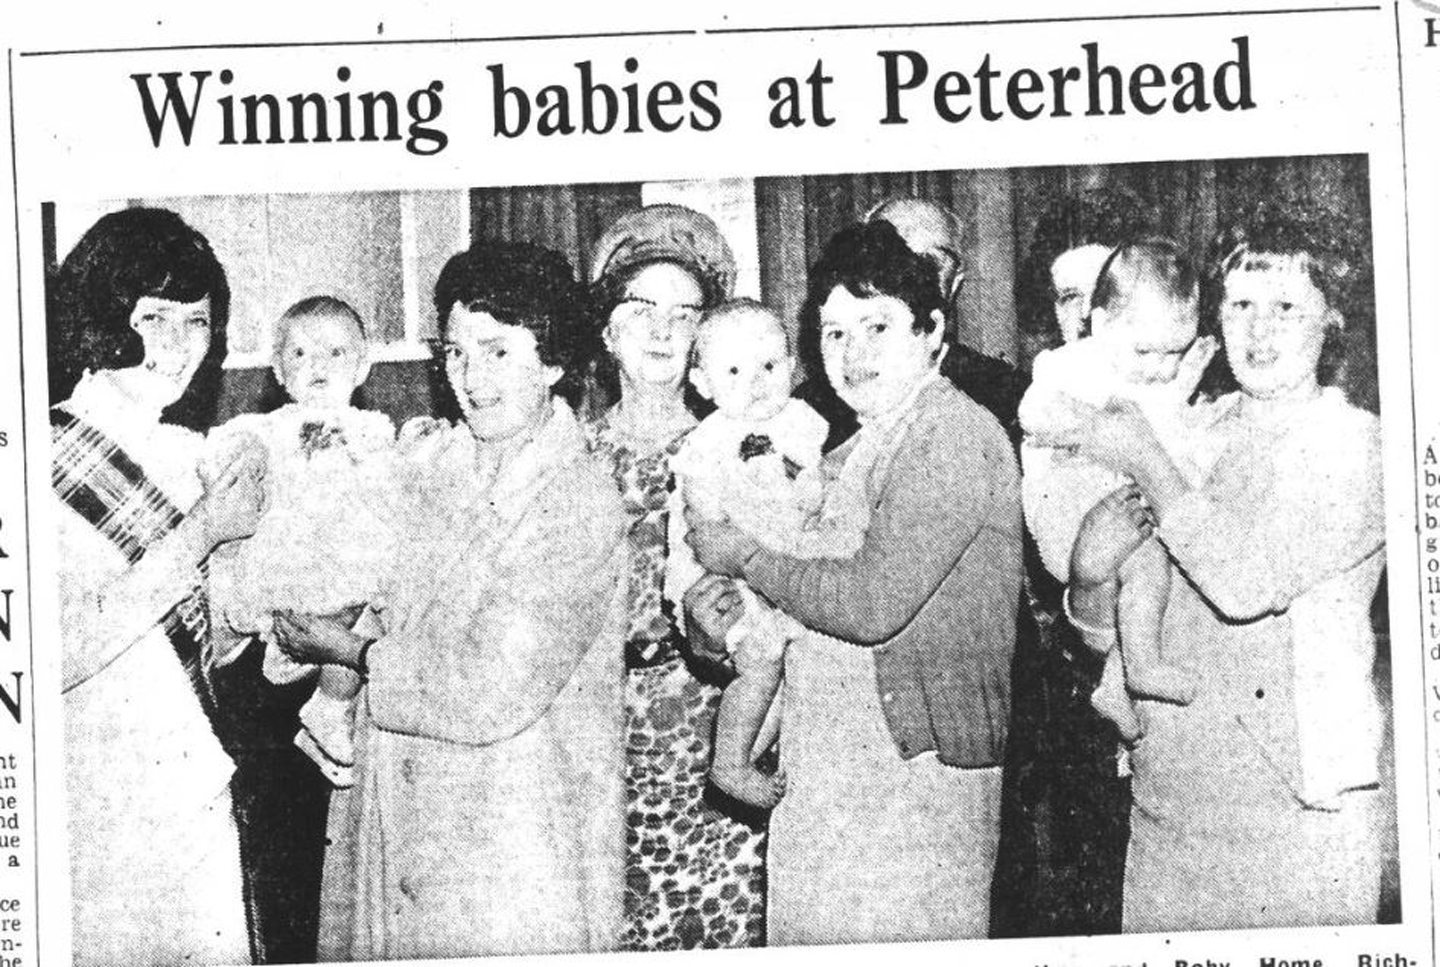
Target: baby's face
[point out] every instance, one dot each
(745, 369)
(1151, 334)
(321, 360)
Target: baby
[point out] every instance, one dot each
(1143, 319)
(327, 539)
(754, 461)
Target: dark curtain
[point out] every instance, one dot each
(1194, 199)
(567, 218)
(999, 208)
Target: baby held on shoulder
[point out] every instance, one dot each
(756, 463)
(1141, 350)
(326, 543)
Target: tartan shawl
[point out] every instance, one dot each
(93, 476)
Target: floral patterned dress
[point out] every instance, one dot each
(694, 873)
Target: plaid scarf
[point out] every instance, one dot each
(101, 483)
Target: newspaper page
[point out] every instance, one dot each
(949, 482)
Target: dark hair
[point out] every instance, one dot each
(1158, 262)
(602, 383)
(125, 256)
(1105, 216)
(868, 260)
(1325, 246)
(525, 285)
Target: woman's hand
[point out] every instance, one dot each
(319, 639)
(1109, 534)
(1192, 368)
(234, 499)
(720, 547)
(712, 606)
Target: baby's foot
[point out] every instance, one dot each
(326, 725)
(1164, 683)
(340, 774)
(1112, 701)
(749, 785)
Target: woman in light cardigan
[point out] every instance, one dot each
(1257, 804)
(897, 700)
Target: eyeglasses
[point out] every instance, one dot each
(1280, 313)
(636, 309)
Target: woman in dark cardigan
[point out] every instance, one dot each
(897, 701)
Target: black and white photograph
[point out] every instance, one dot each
(754, 562)
(958, 484)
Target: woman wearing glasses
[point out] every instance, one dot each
(1257, 804)
(693, 875)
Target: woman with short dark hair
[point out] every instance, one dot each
(897, 700)
(487, 815)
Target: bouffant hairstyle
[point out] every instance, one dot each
(1325, 246)
(867, 260)
(1107, 216)
(526, 285)
(125, 256)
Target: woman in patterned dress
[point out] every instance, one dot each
(694, 875)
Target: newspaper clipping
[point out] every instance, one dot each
(617, 481)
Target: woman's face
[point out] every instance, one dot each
(1072, 277)
(495, 372)
(1274, 321)
(652, 329)
(873, 355)
(176, 337)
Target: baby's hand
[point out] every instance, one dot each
(416, 430)
(755, 654)
(224, 449)
(705, 502)
(809, 490)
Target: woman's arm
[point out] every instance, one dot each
(1257, 536)
(949, 481)
(490, 668)
(102, 615)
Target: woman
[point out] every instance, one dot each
(486, 817)
(1251, 807)
(694, 875)
(137, 332)
(896, 702)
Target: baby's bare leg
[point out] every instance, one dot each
(1112, 701)
(1144, 592)
(743, 710)
(338, 682)
(327, 723)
